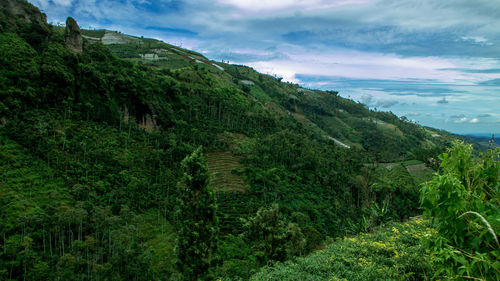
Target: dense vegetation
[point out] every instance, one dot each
(460, 242)
(463, 199)
(395, 252)
(93, 185)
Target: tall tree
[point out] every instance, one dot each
(196, 219)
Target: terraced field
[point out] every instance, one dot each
(222, 165)
(420, 172)
(233, 203)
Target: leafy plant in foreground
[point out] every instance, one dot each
(463, 200)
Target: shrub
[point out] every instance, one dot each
(463, 200)
(396, 252)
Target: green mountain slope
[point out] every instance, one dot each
(92, 143)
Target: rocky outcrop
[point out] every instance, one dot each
(74, 39)
(21, 10)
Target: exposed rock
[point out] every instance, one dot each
(25, 11)
(148, 123)
(336, 141)
(218, 66)
(153, 57)
(160, 51)
(16, 10)
(3, 121)
(74, 39)
(111, 37)
(90, 38)
(247, 82)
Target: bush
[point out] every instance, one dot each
(395, 252)
(463, 200)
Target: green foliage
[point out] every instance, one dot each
(18, 69)
(463, 200)
(196, 219)
(267, 238)
(236, 257)
(395, 252)
(91, 148)
(266, 233)
(96, 33)
(49, 235)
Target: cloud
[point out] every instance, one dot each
(457, 116)
(367, 99)
(280, 5)
(484, 115)
(492, 82)
(386, 103)
(461, 120)
(413, 114)
(474, 70)
(474, 120)
(406, 55)
(442, 101)
(477, 40)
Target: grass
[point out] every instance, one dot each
(301, 117)
(259, 94)
(423, 175)
(390, 129)
(418, 170)
(96, 33)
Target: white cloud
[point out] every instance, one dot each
(42, 4)
(484, 115)
(412, 114)
(277, 5)
(65, 3)
(477, 40)
(461, 120)
(356, 64)
(474, 120)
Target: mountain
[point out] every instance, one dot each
(94, 125)
(483, 142)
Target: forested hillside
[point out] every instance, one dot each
(94, 125)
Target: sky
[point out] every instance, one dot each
(437, 62)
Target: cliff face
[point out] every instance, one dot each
(74, 39)
(24, 11)
(19, 16)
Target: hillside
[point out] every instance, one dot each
(94, 125)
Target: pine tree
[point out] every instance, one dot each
(196, 219)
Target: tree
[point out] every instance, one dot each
(266, 231)
(196, 219)
(463, 201)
